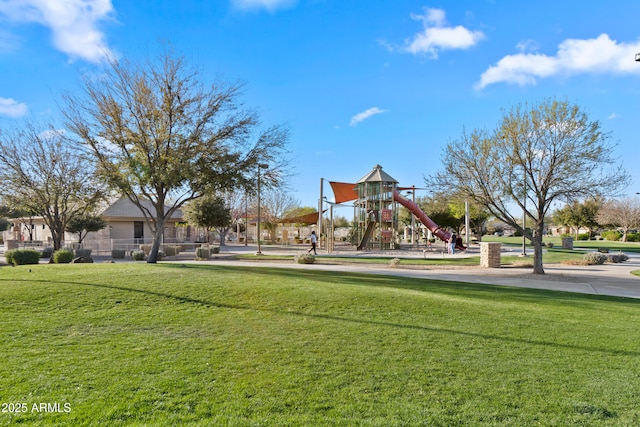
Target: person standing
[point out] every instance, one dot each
(313, 243)
(451, 243)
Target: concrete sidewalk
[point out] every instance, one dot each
(606, 279)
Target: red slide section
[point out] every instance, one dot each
(414, 209)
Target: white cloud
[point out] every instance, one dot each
(600, 55)
(73, 23)
(270, 5)
(436, 36)
(365, 115)
(12, 108)
(613, 116)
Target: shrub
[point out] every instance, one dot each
(117, 253)
(215, 249)
(393, 263)
(202, 253)
(138, 255)
(62, 256)
(46, 252)
(611, 235)
(549, 245)
(633, 237)
(170, 250)
(617, 258)
(583, 236)
(84, 253)
(595, 258)
(304, 259)
(22, 256)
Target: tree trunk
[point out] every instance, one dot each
(538, 267)
(155, 246)
(57, 234)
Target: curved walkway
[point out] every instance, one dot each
(607, 279)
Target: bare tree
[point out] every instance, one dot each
(41, 175)
(622, 213)
(277, 203)
(159, 134)
(536, 155)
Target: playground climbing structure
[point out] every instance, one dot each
(376, 212)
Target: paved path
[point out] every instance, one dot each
(607, 279)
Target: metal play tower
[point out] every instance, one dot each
(376, 212)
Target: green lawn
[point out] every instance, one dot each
(170, 344)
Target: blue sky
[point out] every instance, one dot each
(360, 83)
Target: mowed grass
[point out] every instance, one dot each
(201, 345)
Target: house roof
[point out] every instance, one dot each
(125, 208)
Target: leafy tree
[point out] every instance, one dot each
(83, 225)
(209, 212)
(579, 215)
(42, 176)
(448, 212)
(623, 213)
(537, 155)
(158, 133)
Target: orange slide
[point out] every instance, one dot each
(415, 209)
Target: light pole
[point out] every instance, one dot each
(260, 166)
(246, 217)
(320, 205)
(524, 214)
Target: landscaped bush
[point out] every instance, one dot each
(611, 235)
(46, 252)
(203, 253)
(549, 245)
(583, 236)
(617, 257)
(171, 250)
(304, 259)
(22, 256)
(595, 258)
(84, 253)
(117, 253)
(633, 237)
(62, 256)
(138, 255)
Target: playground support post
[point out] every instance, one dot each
(320, 214)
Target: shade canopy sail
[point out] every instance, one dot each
(343, 191)
(311, 218)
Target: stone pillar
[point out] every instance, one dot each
(490, 254)
(12, 244)
(567, 243)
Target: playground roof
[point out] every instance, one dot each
(377, 175)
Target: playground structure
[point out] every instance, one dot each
(376, 198)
